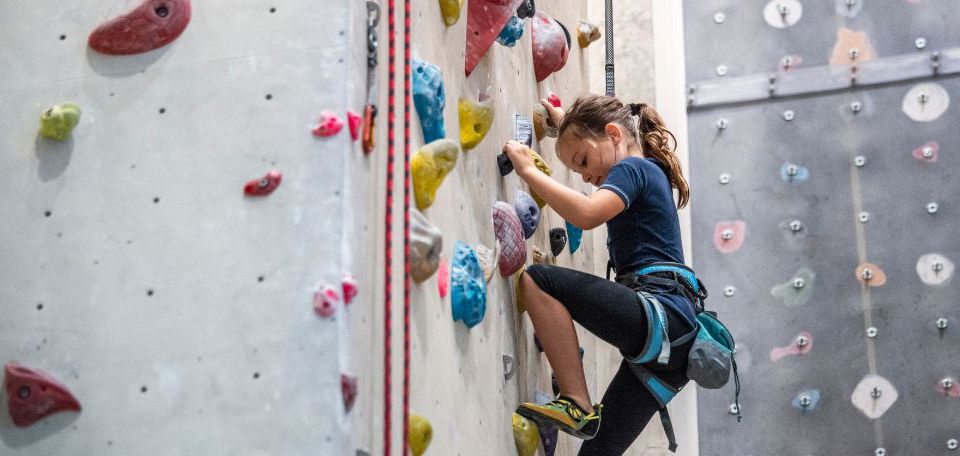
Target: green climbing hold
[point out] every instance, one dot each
(58, 121)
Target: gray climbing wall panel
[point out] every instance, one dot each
(864, 174)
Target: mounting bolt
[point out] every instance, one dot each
(856, 107)
(864, 217)
(799, 283)
(796, 225)
(880, 452)
(871, 331)
(920, 42)
(849, 3)
(804, 401)
(946, 383)
(932, 208)
(875, 392)
(941, 323)
(788, 115)
(927, 151)
(783, 9)
(721, 70)
(937, 266)
(859, 161)
(724, 178)
(792, 170)
(721, 124)
(786, 62)
(801, 341)
(733, 409)
(719, 18)
(853, 53)
(727, 234)
(923, 98)
(729, 291)
(952, 444)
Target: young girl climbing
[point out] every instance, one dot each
(628, 153)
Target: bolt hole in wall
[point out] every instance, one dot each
(864, 143)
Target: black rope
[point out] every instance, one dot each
(608, 32)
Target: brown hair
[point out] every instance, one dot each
(590, 114)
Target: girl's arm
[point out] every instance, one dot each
(586, 212)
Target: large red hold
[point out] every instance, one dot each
(485, 20)
(33, 395)
(151, 25)
(551, 45)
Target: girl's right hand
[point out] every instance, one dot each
(556, 114)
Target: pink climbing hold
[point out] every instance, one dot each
(550, 45)
(485, 20)
(348, 386)
(354, 121)
(443, 278)
(325, 301)
(349, 285)
(33, 395)
(264, 185)
(927, 152)
(554, 100)
(728, 236)
(151, 25)
(509, 232)
(329, 125)
(801, 345)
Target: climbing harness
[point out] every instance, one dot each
(711, 355)
(370, 111)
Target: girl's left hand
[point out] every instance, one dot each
(520, 156)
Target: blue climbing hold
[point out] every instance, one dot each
(790, 172)
(429, 98)
(468, 293)
(529, 213)
(511, 32)
(573, 237)
(807, 400)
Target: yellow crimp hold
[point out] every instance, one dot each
(587, 33)
(476, 117)
(450, 9)
(525, 435)
(516, 291)
(58, 121)
(430, 165)
(542, 166)
(419, 434)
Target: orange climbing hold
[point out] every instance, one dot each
(151, 25)
(33, 395)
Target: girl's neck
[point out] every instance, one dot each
(634, 150)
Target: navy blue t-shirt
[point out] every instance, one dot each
(648, 230)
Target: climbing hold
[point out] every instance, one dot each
(549, 438)
(349, 287)
(151, 25)
(542, 166)
(925, 102)
(554, 100)
(348, 386)
(509, 366)
(476, 117)
(871, 274)
(526, 9)
(426, 242)
(521, 307)
(797, 290)
(529, 213)
(468, 289)
(542, 125)
(450, 10)
(790, 172)
(587, 33)
(558, 240)
(509, 232)
(874, 395)
(522, 130)
(354, 121)
(430, 165)
(58, 121)
(419, 434)
(927, 152)
(325, 301)
(264, 185)
(485, 20)
(851, 47)
(443, 278)
(551, 44)
(329, 125)
(525, 435)
(539, 256)
(430, 99)
(934, 269)
(728, 236)
(807, 400)
(33, 395)
(511, 32)
(488, 259)
(573, 235)
(800, 345)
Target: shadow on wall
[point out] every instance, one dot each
(15, 437)
(53, 157)
(112, 66)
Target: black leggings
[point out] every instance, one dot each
(612, 312)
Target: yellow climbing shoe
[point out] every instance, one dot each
(565, 415)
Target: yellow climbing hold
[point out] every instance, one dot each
(450, 9)
(58, 121)
(476, 117)
(430, 165)
(516, 292)
(525, 435)
(419, 434)
(542, 166)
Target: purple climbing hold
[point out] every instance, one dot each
(509, 232)
(529, 213)
(430, 99)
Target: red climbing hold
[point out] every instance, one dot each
(348, 385)
(554, 100)
(443, 278)
(485, 20)
(264, 185)
(325, 301)
(355, 122)
(33, 395)
(151, 25)
(329, 125)
(550, 45)
(349, 285)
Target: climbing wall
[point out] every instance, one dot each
(822, 148)
(179, 312)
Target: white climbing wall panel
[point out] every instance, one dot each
(178, 311)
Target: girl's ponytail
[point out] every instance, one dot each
(660, 143)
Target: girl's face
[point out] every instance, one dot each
(592, 158)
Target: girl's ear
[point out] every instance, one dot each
(613, 132)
